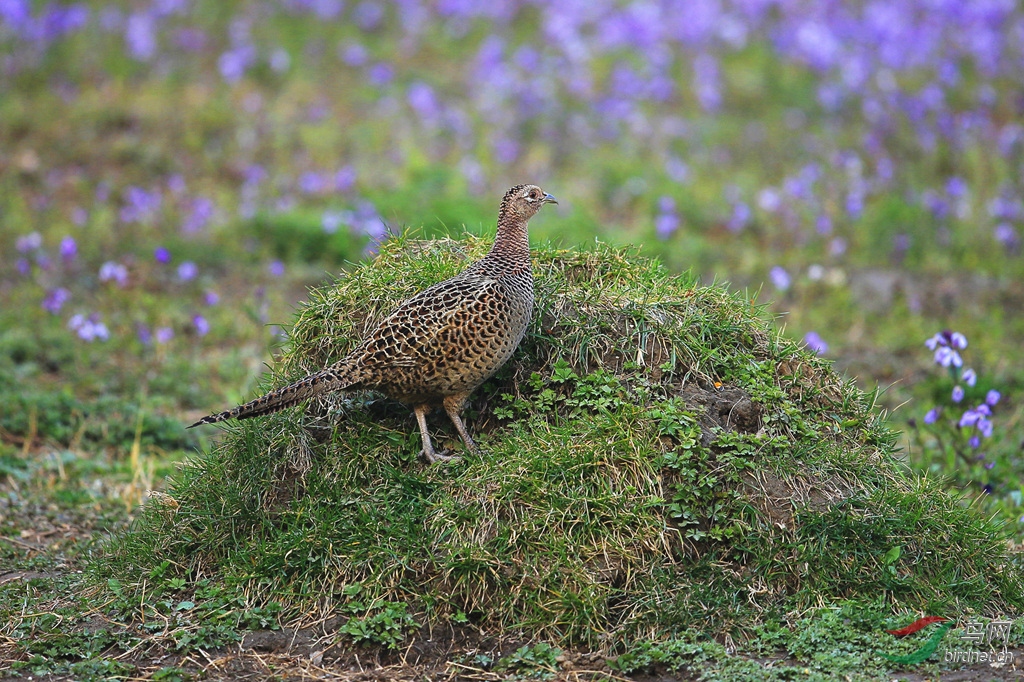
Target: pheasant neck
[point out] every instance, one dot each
(512, 240)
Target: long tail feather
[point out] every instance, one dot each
(332, 379)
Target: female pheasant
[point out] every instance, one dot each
(440, 345)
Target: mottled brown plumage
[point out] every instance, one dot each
(437, 347)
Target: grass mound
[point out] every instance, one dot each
(655, 459)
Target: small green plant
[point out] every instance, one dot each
(536, 662)
(387, 626)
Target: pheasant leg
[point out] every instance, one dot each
(428, 452)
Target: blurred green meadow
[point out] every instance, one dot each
(175, 173)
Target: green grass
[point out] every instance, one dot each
(606, 507)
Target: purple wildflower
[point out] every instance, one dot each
(187, 271)
(201, 325)
(992, 397)
(970, 377)
(740, 217)
(932, 415)
(114, 271)
(768, 199)
(24, 267)
(380, 74)
(665, 225)
(815, 343)
(958, 393)
(368, 15)
(423, 101)
(947, 357)
(311, 182)
(353, 54)
(29, 242)
(235, 62)
(89, 328)
(140, 34)
(163, 334)
(958, 340)
(79, 216)
(1006, 235)
(280, 60)
(140, 205)
(332, 220)
(200, 213)
(55, 300)
(276, 268)
(344, 179)
(68, 249)
(162, 255)
(974, 441)
(780, 278)
(211, 297)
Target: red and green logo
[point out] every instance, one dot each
(929, 647)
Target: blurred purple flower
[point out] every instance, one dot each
(956, 187)
(280, 60)
(140, 34)
(140, 205)
(332, 220)
(276, 268)
(970, 377)
(768, 199)
(992, 397)
(324, 9)
(947, 357)
(23, 266)
(816, 343)
(665, 225)
(143, 334)
(55, 300)
(15, 13)
(114, 271)
(187, 271)
(740, 217)
(380, 74)
(780, 278)
(1006, 235)
(354, 54)
(162, 255)
(235, 62)
(958, 340)
(932, 416)
(89, 328)
(201, 325)
(344, 179)
(29, 242)
(211, 297)
(368, 15)
(958, 393)
(706, 82)
(423, 101)
(68, 249)
(311, 182)
(176, 183)
(974, 441)
(200, 213)
(79, 216)
(254, 174)
(677, 170)
(163, 334)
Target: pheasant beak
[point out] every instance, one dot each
(548, 199)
